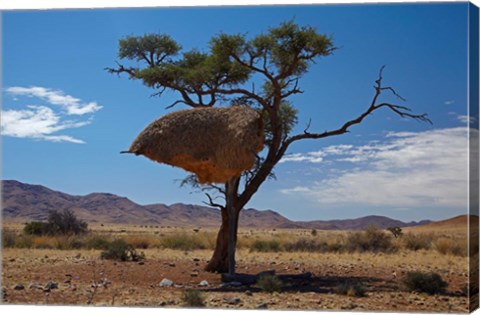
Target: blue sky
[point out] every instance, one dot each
(65, 119)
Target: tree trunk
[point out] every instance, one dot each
(223, 258)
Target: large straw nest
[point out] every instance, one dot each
(215, 143)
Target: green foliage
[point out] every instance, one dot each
(313, 232)
(396, 231)
(269, 283)
(36, 228)
(152, 48)
(193, 298)
(122, 251)
(266, 246)
(430, 283)
(372, 239)
(65, 223)
(353, 290)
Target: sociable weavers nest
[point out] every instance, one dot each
(215, 143)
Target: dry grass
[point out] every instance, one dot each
(256, 240)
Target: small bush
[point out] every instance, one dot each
(24, 241)
(266, 246)
(353, 290)
(417, 241)
(304, 245)
(430, 283)
(269, 283)
(396, 231)
(313, 232)
(193, 298)
(122, 251)
(447, 246)
(8, 238)
(186, 242)
(372, 239)
(36, 228)
(97, 242)
(65, 223)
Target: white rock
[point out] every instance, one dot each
(204, 283)
(166, 283)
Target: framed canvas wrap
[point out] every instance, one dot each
(301, 157)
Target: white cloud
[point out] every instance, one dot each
(409, 169)
(72, 105)
(449, 102)
(37, 122)
(466, 119)
(43, 122)
(312, 157)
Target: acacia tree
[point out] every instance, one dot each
(262, 72)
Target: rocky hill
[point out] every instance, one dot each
(24, 202)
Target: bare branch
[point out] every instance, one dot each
(175, 103)
(308, 126)
(394, 92)
(402, 111)
(212, 203)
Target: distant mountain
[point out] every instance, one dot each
(24, 202)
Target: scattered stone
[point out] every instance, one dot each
(233, 301)
(248, 292)
(166, 283)
(261, 306)
(50, 286)
(19, 286)
(196, 259)
(171, 264)
(204, 283)
(178, 285)
(141, 263)
(33, 286)
(194, 274)
(163, 303)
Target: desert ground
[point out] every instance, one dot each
(41, 273)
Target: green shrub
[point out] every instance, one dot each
(304, 245)
(122, 251)
(313, 232)
(97, 242)
(269, 283)
(417, 241)
(36, 228)
(65, 223)
(266, 246)
(372, 239)
(353, 290)
(430, 283)
(193, 298)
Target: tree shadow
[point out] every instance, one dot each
(316, 284)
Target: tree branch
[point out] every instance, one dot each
(402, 111)
(212, 203)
